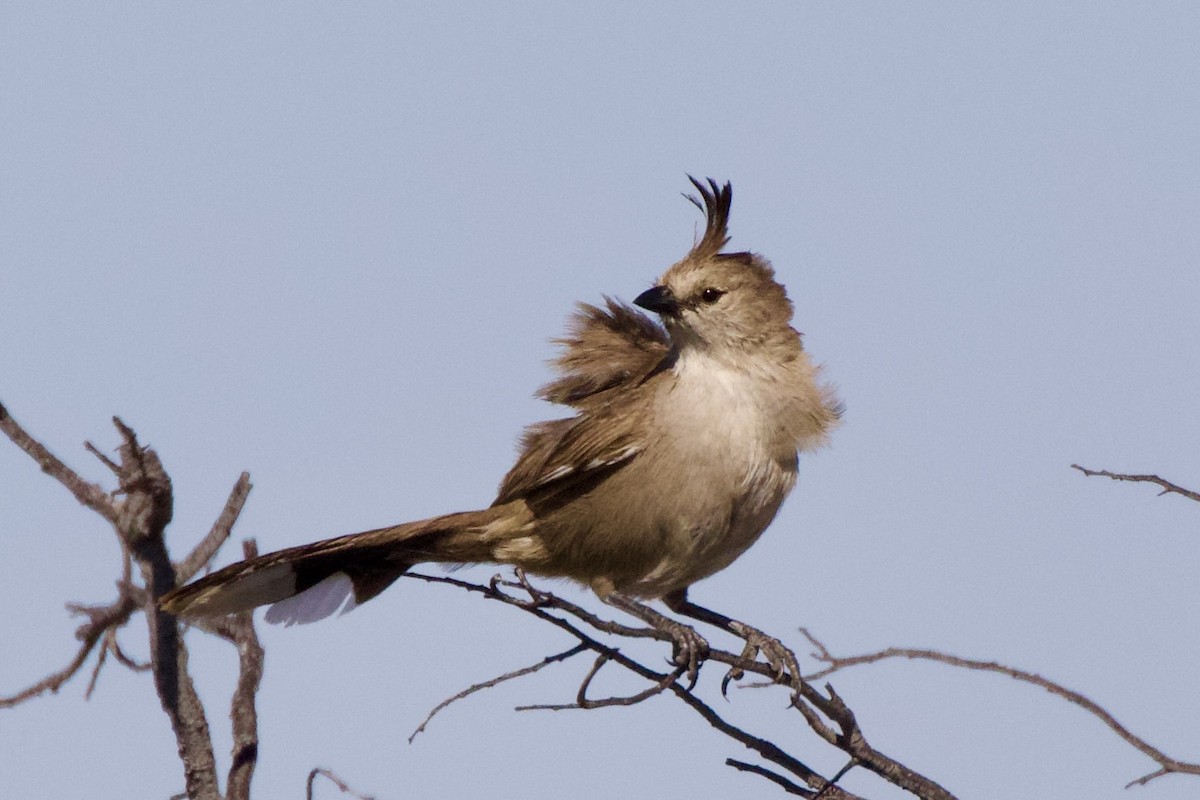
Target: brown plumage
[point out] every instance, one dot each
(606, 349)
(682, 447)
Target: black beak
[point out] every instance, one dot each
(659, 300)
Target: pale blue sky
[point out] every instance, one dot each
(329, 243)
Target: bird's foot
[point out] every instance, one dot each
(781, 659)
(689, 649)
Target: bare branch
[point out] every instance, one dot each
(1167, 486)
(771, 751)
(89, 494)
(100, 620)
(102, 458)
(837, 776)
(836, 663)
(1142, 781)
(100, 659)
(848, 737)
(114, 646)
(243, 712)
(140, 510)
(338, 782)
(140, 521)
(538, 598)
(204, 551)
(773, 777)
(517, 673)
(143, 508)
(582, 701)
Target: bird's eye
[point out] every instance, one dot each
(711, 295)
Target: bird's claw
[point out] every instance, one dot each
(689, 651)
(779, 658)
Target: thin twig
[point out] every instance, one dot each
(100, 619)
(488, 684)
(100, 659)
(90, 494)
(609, 626)
(114, 646)
(837, 776)
(768, 750)
(1167, 486)
(204, 551)
(836, 663)
(338, 782)
(103, 458)
(493, 592)
(773, 777)
(582, 701)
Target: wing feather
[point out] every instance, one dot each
(606, 349)
(562, 453)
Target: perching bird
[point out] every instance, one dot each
(683, 445)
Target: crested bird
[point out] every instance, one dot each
(682, 444)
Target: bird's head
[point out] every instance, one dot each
(716, 300)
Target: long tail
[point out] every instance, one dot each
(313, 581)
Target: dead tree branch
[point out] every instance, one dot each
(139, 509)
(141, 520)
(488, 684)
(338, 782)
(834, 664)
(101, 619)
(207, 548)
(773, 777)
(243, 712)
(89, 494)
(826, 713)
(1166, 486)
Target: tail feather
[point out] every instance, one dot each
(313, 581)
(335, 593)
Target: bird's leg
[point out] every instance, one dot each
(779, 657)
(690, 648)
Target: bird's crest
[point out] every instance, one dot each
(714, 201)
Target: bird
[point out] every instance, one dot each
(683, 442)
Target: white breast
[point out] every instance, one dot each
(735, 465)
(740, 409)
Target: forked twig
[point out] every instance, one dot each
(582, 701)
(488, 684)
(100, 620)
(847, 735)
(837, 663)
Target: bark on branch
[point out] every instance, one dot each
(139, 510)
(1166, 486)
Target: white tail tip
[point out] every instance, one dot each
(316, 602)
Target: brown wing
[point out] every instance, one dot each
(606, 349)
(567, 453)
